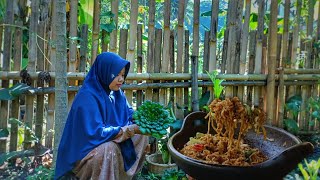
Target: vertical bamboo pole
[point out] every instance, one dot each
(186, 70)
(40, 67)
(95, 30)
(15, 112)
(205, 64)
(285, 33)
(179, 61)
(231, 53)
(244, 46)
(213, 42)
(73, 45)
(113, 35)
(196, 19)
(252, 53)
(272, 53)
(6, 67)
(151, 42)
(295, 43)
(132, 42)
(139, 62)
(258, 56)
(31, 68)
(194, 80)
(166, 46)
(51, 97)
(104, 44)
(172, 67)
(278, 88)
(61, 99)
(123, 42)
(306, 89)
(157, 61)
(281, 98)
(83, 49)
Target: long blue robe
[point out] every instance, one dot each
(96, 116)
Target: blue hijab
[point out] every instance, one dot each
(96, 115)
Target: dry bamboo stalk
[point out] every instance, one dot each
(213, 36)
(61, 98)
(32, 57)
(206, 53)
(6, 67)
(258, 55)
(123, 43)
(277, 88)
(95, 30)
(172, 67)
(157, 61)
(306, 90)
(83, 48)
(151, 44)
(186, 70)
(40, 67)
(143, 86)
(252, 50)
(180, 51)
(139, 62)
(166, 37)
(231, 52)
(51, 97)
(132, 41)
(238, 28)
(281, 100)
(286, 17)
(15, 112)
(196, 19)
(244, 46)
(73, 44)
(295, 44)
(194, 81)
(272, 53)
(113, 35)
(166, 47)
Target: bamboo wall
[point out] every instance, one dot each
(261, 69)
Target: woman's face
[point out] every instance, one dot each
(117, 81)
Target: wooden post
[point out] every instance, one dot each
(151, 45)
(95, 30)
(113, 34)
(157, 61)
(186, 70)
(139, 62)
(252, 50)
(179, 68)
(194, 81)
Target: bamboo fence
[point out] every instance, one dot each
(261, 69)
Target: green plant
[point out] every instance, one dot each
(173, 174)
(217, 87)
(310, 170)
(153, 118)
(41, 173)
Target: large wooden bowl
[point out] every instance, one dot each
(284, 153)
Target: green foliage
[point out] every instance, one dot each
(293, 105)
(153, 118)
(13, 92)
(291, 125)
(310, 170)
(217, 87)
(42, 173)
(173, 174)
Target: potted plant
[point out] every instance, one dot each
(155, 119)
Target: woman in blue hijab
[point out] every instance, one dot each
(99, 140)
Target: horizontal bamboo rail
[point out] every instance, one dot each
(142, 86)
(15, 75)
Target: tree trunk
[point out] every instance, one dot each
(61, 99)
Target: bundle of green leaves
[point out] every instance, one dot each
(153, 119)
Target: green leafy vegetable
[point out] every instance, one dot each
(153, 118)
(217, 87)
